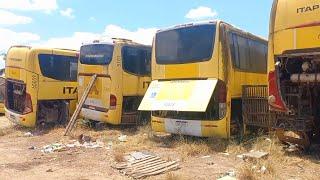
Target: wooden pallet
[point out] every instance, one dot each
(147, 166)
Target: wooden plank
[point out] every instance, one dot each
(144, 165)
(144, 159)
(76, 113)
(172, 167)
(127, 165)
(157, 168)
(143, 168)
(148, 166)
(143, 162)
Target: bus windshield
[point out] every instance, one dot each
(185, 45)
(96, 54)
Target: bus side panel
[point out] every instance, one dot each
(221, 127)
(130, 84)
(57, 90)
(32, 89)
(116, 73)
(143, 85)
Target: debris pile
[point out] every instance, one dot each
(230, 175)
(253, 155)
(82, 142)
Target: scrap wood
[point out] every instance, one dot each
(147, 166)
(160, 171)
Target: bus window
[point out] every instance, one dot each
(248, 54)
(96, 54)
(258, 56)
(58, 67)
(185, 45)
(136, 60)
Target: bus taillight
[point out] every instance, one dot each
(28, 104)
(275, 100)
(113, 101)
(222, 99)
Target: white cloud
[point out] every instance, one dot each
(201, 12)
(67, 13)
(29, 5)
(72, 42)
(9, 38)
(141, 35)
(8, 18)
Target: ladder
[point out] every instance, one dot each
(76, 113)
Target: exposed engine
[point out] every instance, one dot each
(300, 89)
(53, 112)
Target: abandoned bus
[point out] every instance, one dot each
(123, 76)
(40, 85)
(2, 90)
(198, 71)
(294, 68)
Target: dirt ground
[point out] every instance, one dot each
(21, 156)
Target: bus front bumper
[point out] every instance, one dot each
(28, 120)
(198, 128)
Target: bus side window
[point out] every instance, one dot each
(58, 67)
(258, 56)
(247, 54)
(137, 60)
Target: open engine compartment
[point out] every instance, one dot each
(299, 82)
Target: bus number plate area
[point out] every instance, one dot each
(186, 127)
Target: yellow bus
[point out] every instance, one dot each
(2, 90)
(123, 71)
(294, 68)
(41, 85)
(198, 71)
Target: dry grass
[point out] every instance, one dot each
(274, 163)
(246, 173)
(6, 131)
(172, 176)
(119, 153)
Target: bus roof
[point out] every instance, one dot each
(115, 40)
(210, 22)
(38, 47)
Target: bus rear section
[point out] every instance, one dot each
(96, 59)
(40, 85)
(294, 69)
(123, 69)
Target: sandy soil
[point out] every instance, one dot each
(21, 156)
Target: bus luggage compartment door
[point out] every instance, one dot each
(99, 95)
(255, 107)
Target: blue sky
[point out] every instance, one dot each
(67, 23)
